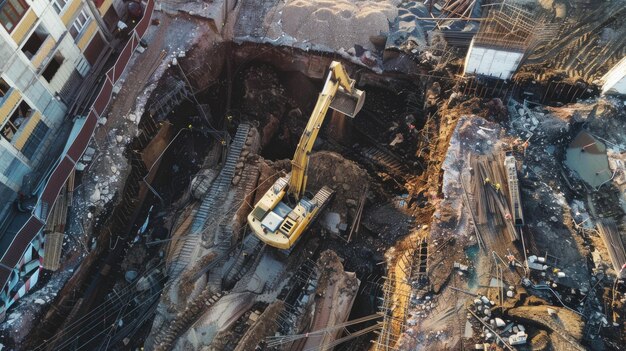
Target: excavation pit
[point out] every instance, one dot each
(189, 130)
(274, 90)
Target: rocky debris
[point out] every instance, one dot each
(566, 327)
(264, 99)
(168, 335)
(345, 177)
(334, 296)
(540, 341)
(264, 326)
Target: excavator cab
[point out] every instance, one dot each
(346, 103)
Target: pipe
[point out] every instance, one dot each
(152, 190)
(610, 179)
(103, 28)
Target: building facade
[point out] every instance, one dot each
(47, 48)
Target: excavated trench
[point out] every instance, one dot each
(274, 88)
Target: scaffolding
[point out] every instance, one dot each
(508, 28)
(409, 271)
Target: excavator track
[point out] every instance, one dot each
(323, 196)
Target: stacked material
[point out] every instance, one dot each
(609, 232)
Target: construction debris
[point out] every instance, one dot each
(474, 201)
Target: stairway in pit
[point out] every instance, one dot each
(210, 204)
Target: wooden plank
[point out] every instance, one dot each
(53, 247)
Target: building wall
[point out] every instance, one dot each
(614, 82)
(32, 79)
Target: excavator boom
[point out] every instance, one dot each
(339, 94)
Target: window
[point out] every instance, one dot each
(58, 5)
(11, 12)
(7, 196)
(35, 139)
(15, 172)
(18, 119)
(4, 88)
(35, 41)
(53, 67)
(80, 23)
(16, 169)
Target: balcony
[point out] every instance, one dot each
(7, 103)
(24, 132)
(23, 27)
(13, 128)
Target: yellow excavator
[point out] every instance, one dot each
(284, 212)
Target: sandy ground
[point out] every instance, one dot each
(337, 24)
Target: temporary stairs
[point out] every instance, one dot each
(210, 205)
(167, 336)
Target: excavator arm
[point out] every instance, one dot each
(339, 94)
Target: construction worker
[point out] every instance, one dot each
(497, 187)
(511, 259)
(229, 121)
(487, 181)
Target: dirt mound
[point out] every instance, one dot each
(338, 23)
(342, 175)
(491, 109)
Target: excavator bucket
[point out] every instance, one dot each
(348, 104)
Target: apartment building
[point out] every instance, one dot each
(47, 48)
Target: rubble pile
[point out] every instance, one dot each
(348, 182)
(334, 296)
(466, 211)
